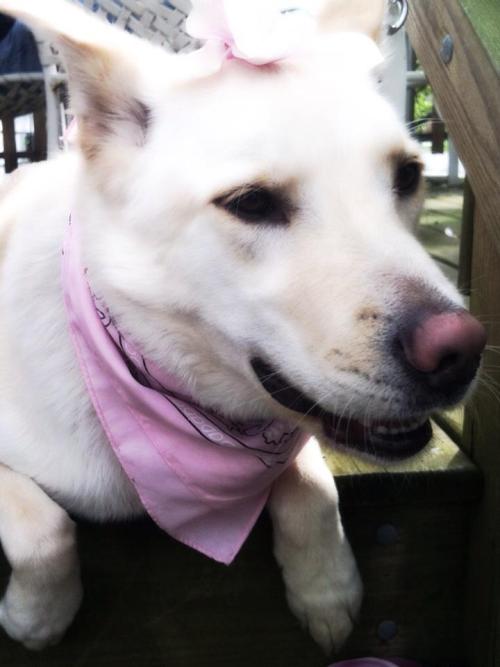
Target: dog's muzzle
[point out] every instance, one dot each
(386, 439)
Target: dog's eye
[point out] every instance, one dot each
(255, 205)
(407, 178)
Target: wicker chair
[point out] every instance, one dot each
(160, 21)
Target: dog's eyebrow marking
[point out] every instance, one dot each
(401, 154)
(142, 114)
(101, 120)
(402, 157)
(257, 184)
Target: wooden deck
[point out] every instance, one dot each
(151, 602)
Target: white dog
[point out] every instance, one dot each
(245, 214)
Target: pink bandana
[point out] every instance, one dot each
(203, 479)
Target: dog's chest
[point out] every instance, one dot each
(48, 428)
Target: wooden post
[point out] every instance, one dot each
(40, 136)
(52, 110)
(466, 241)
(9, 143)
(467, 90)
(438, 133)
(483, 437)
(453, 165)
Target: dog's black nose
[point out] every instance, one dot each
(445, 348)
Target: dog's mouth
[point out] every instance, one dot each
(387, 439)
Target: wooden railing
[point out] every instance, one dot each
(458, 44)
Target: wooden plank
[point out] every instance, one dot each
(437, 487)
(484, 16)
(467, 92)
(438, 133)
(452, 423)
(416, 582)
(483, 429)
(441, 455)
(441, 473)
(151, 601)
(466, 241)
(9, 143)
(40, 136)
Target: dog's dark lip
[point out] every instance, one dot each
(385, 439)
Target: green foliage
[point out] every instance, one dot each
(423, 103)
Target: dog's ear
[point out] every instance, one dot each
(366, 16)
(104, 79)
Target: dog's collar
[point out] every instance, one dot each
(202, 478)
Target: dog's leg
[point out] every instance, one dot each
(323, 585)
(38, 539)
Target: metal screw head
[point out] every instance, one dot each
(387, 630)
(446, 50)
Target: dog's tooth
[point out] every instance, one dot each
(406, 426)
(416, 423)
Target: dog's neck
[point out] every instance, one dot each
(202, 477)
(208, 364)
(180, 342)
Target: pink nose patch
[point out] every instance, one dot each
(444, 340)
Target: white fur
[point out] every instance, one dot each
(197, 289)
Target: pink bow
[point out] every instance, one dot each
(259, 32)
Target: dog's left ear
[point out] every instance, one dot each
(106, 84)
(365, 16)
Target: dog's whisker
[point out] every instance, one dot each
(269, 376)
(260, 398)
(423, 121)
(316, 404)
(345, 412)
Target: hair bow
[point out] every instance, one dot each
(259, 32)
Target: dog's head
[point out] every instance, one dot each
(254, 228)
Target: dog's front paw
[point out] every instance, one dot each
(38, 621)
(327, 598)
